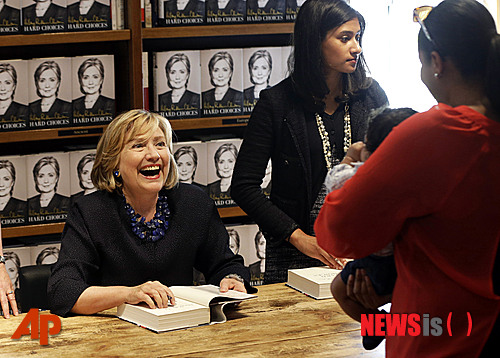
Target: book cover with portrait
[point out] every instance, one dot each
(191, 160)
(181, 12)
(237, 240)
(292, 8)
(15, 258)
(221, 158)
(13, 194)
(80, 164)
(286, 57)
(44, 16)
(177, 84)
(265, 11)
(48, 187)
(45, 254)
(10, 17)
(14, 100)
(222, 82)
(226, 11)
(251, 244)
(49, 92)
(89, 15)
(261, 70)
(93, 80)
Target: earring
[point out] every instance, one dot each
(116, 173)
(436, 75)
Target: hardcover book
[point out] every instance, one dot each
(286, 57)
(191, 160)
(194, 306)
(249, 242)
(265, 11)
(226, 11)
(45, 254)
(10, 17)
(81, 163)
(313, 281)
(93, 79)
(221, 158)
(292, 8)
(261, 70)
(222, 82)
(44, 16)
(177, 86)
(13, 204)
(48, 187)
(181, 12)
(49, 92)
(14, 100)
(89, 15)
(16, 257)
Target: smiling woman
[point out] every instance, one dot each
(140, 214)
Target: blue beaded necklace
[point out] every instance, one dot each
(154, 229)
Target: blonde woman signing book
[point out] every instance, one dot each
(142, 231)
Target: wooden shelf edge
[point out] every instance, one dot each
(32, 230)
(57, 228)
(217, 30)
(231, 212)
(51, 133)
(210, 122)
(65, 38)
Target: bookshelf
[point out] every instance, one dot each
(127, 46)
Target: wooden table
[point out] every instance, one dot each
(280, 322)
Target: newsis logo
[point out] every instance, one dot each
(403, 324)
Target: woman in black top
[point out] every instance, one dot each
(305, 124)
(141, 231)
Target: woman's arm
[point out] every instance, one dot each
(97, 298)
(250, 169)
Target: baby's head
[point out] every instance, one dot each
(380, 125)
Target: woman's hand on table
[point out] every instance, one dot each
(7, 296)
(308, 245)
(227, 284)
(153, 293)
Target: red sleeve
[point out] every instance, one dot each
(409, 176)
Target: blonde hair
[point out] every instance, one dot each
(125, 126)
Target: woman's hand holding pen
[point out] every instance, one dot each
(309, 246)
(153, 293)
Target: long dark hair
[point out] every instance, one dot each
(314, 20)
(464, 31)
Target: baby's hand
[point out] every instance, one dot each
(353, 153)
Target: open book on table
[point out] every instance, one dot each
(194, 306)
(313, 281)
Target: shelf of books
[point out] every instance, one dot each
(56, 228)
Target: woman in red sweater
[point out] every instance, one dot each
(433, 189)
